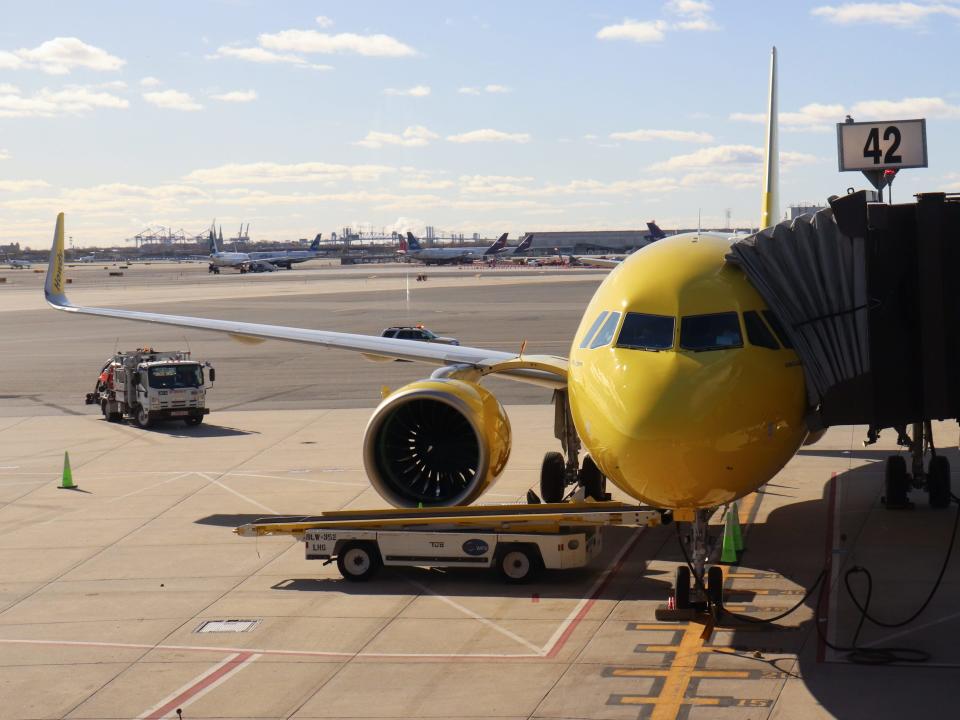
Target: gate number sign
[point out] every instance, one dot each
(893, 145)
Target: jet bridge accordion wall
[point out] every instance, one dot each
(868, 295)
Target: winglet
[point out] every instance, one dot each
(53, 287)
(770, 199)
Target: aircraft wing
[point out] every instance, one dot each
(548, 371)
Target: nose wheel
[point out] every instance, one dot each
(698, 589)
(899, 479)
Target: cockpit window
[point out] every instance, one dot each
(777, 328)
(606, 332)
(646, 332)
(757, 333)
(593, 329)
(717, 331)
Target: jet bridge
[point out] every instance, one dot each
(867, 294)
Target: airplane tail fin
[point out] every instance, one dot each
(499, 245)
(655, 232)
(412, 242)
(403, 244)
(770, 199)
(315, 245)
(213, 241)
(524, 244)
(53, 285)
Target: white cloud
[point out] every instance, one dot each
(416, 184)
(728, 155)
(4, 154)
(8, 89)
(237, 96)
(648, 135)
(817, 117)
(61, 55)
(638, 31)
(311, 41)
(497, 89)
(694, 15)
(172, 100)
(726, 179)
(414, 136)
(257, 55)
(69, 100)
(270, 172)
(323, 21)
(901, 14)
(489, 135)
(495, 184)
(415, 91)
(469, 91)
(150, 81)
(21, 185)
(590, 136)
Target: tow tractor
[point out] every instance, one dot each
(516, 540)
(148, 385)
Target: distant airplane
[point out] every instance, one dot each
(20, 264)
(610, 261)
(267, 261)
(448, 256)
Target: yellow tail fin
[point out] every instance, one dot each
(770, 199)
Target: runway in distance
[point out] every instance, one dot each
(412, 249)
(680, 384)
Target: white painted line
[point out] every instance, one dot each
(913, 629)
(198, 687)
(240, 494)
(601, 579)
(150, 487)
(295, 479)
(479, 618)
(22, 482)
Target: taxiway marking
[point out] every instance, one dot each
(199, 686)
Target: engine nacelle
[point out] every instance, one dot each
(436, 443)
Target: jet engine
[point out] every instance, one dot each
(436, 443)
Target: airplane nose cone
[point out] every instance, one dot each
(684, 429)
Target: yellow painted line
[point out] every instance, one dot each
(664, 627)
(678, 675)
(656, 701)
(649, 672)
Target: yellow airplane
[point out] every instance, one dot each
(680, 385)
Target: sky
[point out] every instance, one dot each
(306, 117)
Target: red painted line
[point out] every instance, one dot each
(827, 569)
(561, 641)
(199, 686)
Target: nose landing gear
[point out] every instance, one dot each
(698, 589)
(898, 481)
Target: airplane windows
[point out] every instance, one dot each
(757, 333)
(777, 328)
(646, 332)
(717, 331)
(593, 329)
(606, 332)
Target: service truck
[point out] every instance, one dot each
(147, 385)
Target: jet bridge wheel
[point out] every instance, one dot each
(938, 482)
(553, 479)
(896, 482)
(358, 561)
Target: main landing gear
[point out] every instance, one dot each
(558, 473)
(898, 480)
(698, 589)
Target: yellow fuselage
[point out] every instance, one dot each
(679, 428)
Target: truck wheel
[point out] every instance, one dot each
(552, 480)
(195, 420)
(518, 563)
(143, 418)
(358, 561)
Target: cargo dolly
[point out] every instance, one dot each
(517, 540)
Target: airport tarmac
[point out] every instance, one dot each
(104, 590)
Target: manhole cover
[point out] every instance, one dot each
(226, 626)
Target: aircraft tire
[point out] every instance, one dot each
(682, 589)
(552, 480)
(938, 482)
(895, 481)
(593, 481)
(358, 561)
(715, 586)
